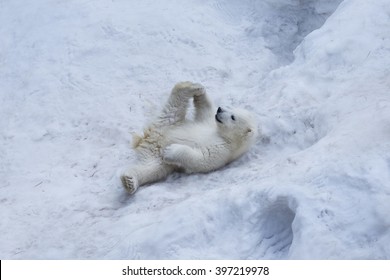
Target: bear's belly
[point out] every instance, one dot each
(193, 135)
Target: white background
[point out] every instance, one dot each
(113, 269)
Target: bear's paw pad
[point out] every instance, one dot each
(190, 88)
(129, 183)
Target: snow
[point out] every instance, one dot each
(77, 76)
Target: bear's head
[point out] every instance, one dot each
(238, 127)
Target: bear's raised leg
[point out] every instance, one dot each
(176, 108)
(148, 172)
(203, 108)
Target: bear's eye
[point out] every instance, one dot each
(233, 118)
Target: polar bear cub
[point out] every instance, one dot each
(176, 143)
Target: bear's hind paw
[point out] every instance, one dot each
(190, 89)
(129, 183)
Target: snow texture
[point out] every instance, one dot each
(77, 76)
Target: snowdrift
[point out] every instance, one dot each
(76, 77)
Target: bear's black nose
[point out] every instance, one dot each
(219, 110)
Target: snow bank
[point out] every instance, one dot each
(76, 77)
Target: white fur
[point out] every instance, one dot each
(174, 143)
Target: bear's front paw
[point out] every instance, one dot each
(189, 88)
(173, 153)
(130, 183)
